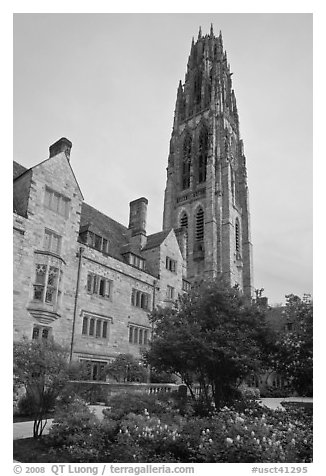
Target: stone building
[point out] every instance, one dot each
(89, 281)
(80, 276)
(206, 190)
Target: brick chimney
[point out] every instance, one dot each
(137, 221)
(62, 145)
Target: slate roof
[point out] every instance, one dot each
(105, 227)
(156, 239)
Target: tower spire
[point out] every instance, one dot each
(206, 188)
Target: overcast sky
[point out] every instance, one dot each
(108, 83)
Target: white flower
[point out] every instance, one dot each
(238, 437)
(229, 441)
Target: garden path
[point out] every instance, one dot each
(24, 429)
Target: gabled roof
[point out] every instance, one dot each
(153, 241)
(18, 170)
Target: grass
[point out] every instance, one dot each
(36, 450)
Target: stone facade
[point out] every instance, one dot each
(80, 276)
(206, 189)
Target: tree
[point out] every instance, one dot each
(42, 367)
(293, 358)
(125, 368)
(213, 337)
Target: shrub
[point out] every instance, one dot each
(249, 392)
(274, 392)
(125, 368)
(162, 377)
(76, 431)
(160, 404)
(146, 438)
(255, 435)
(72, 417)
(244, 433)
(91, 392)
(28, 406)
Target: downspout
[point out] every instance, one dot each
(152, 332)
(81, 249)
(154, 303)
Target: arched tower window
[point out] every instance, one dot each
(186, 162)
(232, 183)
(197, 88)
(237, 236)
(184, 220)
(184, 225)
(199, 232)
(202, 154)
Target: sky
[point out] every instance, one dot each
(108, 83)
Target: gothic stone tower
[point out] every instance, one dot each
(206, 191)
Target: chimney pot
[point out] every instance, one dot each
(62, 145)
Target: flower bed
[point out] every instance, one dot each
(169, 432)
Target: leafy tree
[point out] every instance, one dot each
(293, 358)
(125, 368)
(162, 377)
(213, 337)
(42, 367)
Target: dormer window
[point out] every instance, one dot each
(94, 240)
(97, 242)
(136, 261)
